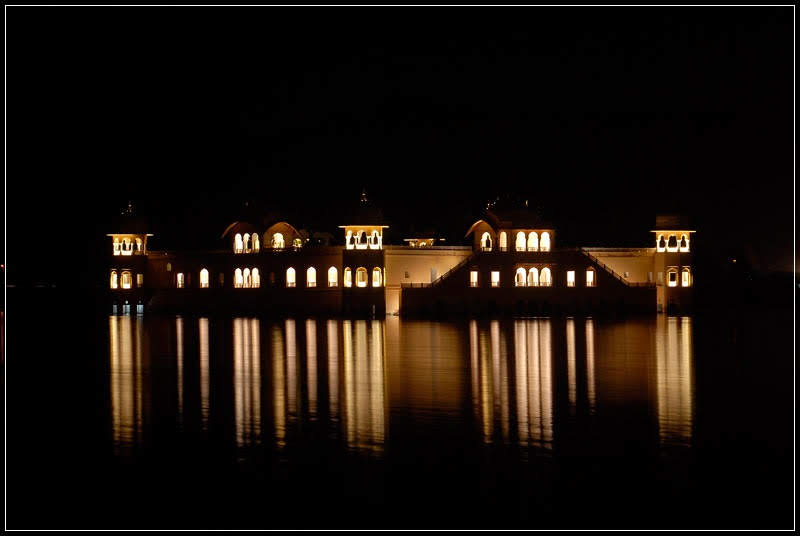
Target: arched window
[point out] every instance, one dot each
(139, 245)
(256, 278)
(361, 277)
(126, 280)
(661, 244)
(672, 278)
(362, 239)
(290, 277)
(256, 243)
(533, 277)
(503, 241)
(203, 278)
(544, 242)
(376, 240)
(376, 277)
(684, 244)
(116, 246)
(520, 244)
(248, 282)
(486, 242)
(686, 277)
(590, 280)
(114, 279)
(238, 281)
(672, 243)
(519, 277)
(545, 279)
(533, 241)
(179, 279)
(238, 245)
(246, 240)
(126, 246)
(348, 277)
(311, 277)
(333, 277)
(348, 240)
(277, 241)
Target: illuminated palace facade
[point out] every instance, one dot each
(512, 265)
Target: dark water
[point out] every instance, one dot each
(187, 422)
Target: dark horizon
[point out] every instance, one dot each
(602, 117)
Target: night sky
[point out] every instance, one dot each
(600, 117)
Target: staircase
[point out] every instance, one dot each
(599, 264)
(452, 270)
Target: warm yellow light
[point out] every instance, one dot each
(333, 277)
(203, 278)
(571, 278)
(486, 242)
(126, 280)
(348, 277)
(533, 277)
(256, 278)
(290, 277)
(686, 278)
(520, 245)
(238, 280)
(376, 277)
(179, 279)
(139, 280)
(544, 242)
(520, 277)
(114, 279)
(361, 277)
(311, 277)
(672, 279)
(533, 241)
(473, 278)
(589, 278)
(545, 278)
(495, 279)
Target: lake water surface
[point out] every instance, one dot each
(196, 422)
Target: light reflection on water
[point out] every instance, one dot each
(523, 380)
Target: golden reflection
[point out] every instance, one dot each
(127, 361)
(364, 385)
(311, 366)
(179, 364)
(333, 369)
(571, 387)
(278, 385)
(247, 380)
(291, 370)
(532, 381)
(590, 384)
(674, 362)
(202, 327)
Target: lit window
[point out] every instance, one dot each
(684, 244)
(544, 242)
(114, 283)
(139, 247)
(126, 280)
(311, 277)
(571, 278)
(661, 244)
(116, 246)
(203, 278)
(127, 246)
(238, 246)
(277, 241)
(590, 278)
(297, 243)
(238, 281)
(533, 241)
(256, 278)
(169, 266)
(519, 277)
(672, 278)
(376, 277)
(248, 281)
(179, 279)
(256, 243)
(290, 277)
(246, 239)
(686, 278)
(533, 277)
(376, 240)
(349, 241)
(361, 277)
(672, 243)
(333, 277)
(486, 242)
(348, 277)
(520, 246)
(545, 279)
(503, 241)
(495, 279)
(139, 280)
(473, 278)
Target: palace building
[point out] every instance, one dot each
(513, 265)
